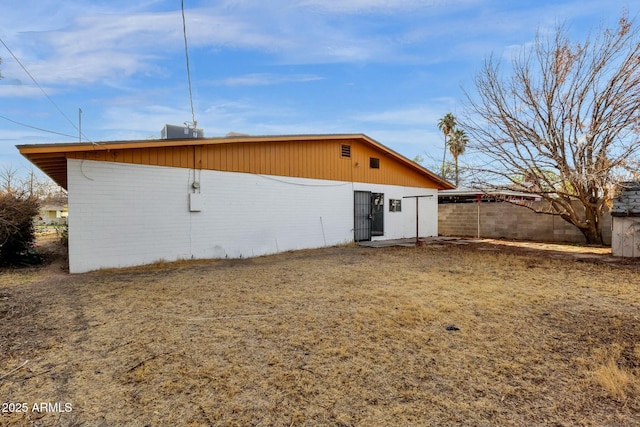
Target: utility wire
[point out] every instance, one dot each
(186, 51)
(40, 87)
(36, 128)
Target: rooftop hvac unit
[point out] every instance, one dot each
(180, 132)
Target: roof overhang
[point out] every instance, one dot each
(52, 158)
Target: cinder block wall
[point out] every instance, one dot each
(509, 221)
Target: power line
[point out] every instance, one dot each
(36, 128)
(186, 51)
(39, 87)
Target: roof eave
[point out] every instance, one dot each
(446, 185)
(33, 152)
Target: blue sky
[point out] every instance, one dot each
(387, 68)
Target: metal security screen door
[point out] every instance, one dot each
(362, 215)
(368, 215)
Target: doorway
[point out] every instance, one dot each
(368, 215)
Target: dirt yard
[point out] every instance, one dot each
(446, 334)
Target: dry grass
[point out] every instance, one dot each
(618, 372)
(339, 336)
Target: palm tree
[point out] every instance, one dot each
(457, 143)
(446, 125)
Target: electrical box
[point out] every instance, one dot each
(195, 202)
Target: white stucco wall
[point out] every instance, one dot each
(125, 215)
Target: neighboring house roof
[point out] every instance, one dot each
(627, 202)
(306, 156)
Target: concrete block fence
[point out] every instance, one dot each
(503, 220)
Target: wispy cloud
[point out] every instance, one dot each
(90, 45)
(95, 47)
(359, 6)
(217, 118)
(123, 62)
(249, 116)
(260, 79)
(416, 115)
(22, 91)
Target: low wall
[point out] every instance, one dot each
(503, 220)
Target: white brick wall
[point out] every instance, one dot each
(125, 215)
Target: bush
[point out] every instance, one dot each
(17, 231)
(62, 230)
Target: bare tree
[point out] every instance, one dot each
(9, 180)
(564, 123)
(31, 184)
